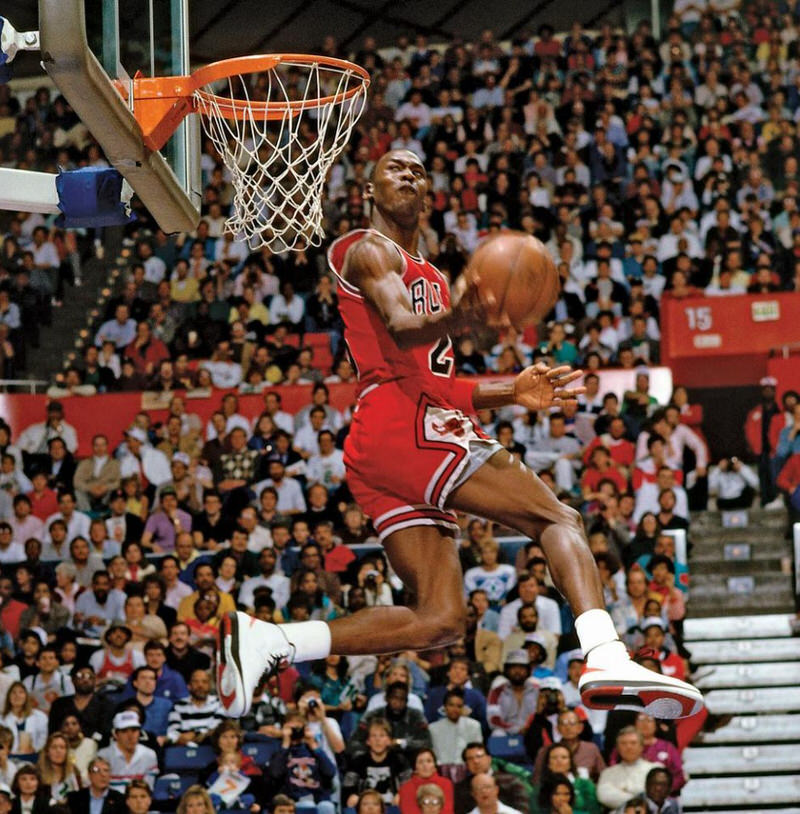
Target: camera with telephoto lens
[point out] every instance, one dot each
(551, 701)
(298, 733)
(313, 703)
(371, 580)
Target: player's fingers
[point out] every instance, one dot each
(569, 392)
(539, 369)
(556, 372)
(572, 376)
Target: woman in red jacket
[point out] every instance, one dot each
(425, 771)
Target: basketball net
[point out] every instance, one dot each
(278, 164)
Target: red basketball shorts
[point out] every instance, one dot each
(405, 454)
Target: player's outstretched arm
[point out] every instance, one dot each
(535, 388)
(374, 266)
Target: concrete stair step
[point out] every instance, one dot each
(743, 650)
(772, 546)
(755, 729)
(757, 518)
(766, 699)
(751, 810)
(737, 627)
(702, 610)
(716, 760)
(767, 566)
(748, 793)
(764, 674)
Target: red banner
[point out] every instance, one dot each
(716, 341)
(111, 413)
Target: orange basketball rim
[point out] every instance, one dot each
(160, 104)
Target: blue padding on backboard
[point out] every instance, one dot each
(6, 72)
(91, 197)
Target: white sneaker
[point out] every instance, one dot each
(628, 685)
(247, 649)
(775, 505)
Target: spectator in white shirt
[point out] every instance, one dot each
(528, 589)
(272, 407)
(306, 440)
(77, 522)
(327, 466)
(287, 307)
(268, 578)
(228, 248)
(24, 524)
(35, 438)
(733, 483)
(127, 757)
(176, 590)
(233, 418)
(290, 493)
(626, 779)
(451, 734)
(45, 254)
(414, 111)
(486, 793)
(155, 269)
(121, 330)
(10, 551)
(225, 373)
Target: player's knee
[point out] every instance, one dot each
(567, 518)
(443, 627)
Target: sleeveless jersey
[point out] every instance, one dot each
(375, 355)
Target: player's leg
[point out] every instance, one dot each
(507, 492)
(424, 558)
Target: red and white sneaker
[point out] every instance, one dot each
(628, 685)
(247, 649)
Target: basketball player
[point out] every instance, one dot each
(414, 458)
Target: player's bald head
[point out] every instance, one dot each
(406, 156)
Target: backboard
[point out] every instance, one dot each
(87, 47)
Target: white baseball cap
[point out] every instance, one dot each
(127, 719)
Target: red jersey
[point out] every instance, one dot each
(409, 441)
(375, 355)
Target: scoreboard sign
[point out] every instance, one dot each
(725, 341)
(716, 326)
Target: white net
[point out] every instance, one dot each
(279, 164)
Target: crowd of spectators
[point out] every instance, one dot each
(650, 170)
(117, 568)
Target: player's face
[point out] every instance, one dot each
(399, 184)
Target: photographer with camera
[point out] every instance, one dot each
(541, 727)
(301, 769)
(370, 578)
(733, 483)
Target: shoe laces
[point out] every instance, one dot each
(275, 661)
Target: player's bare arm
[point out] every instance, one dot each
(535, 388)
(374, 266)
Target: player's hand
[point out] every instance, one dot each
(539, 386)
(471, 307)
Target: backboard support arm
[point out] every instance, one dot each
(79, 76)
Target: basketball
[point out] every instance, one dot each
(517, 269)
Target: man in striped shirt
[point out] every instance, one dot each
(127, 758)
(192, 719)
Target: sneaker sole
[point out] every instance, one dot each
(228, 660)
(658, 700)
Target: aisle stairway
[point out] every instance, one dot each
(741, 569)
(749, 670)
(59, 339)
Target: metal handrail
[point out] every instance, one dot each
(30, 383)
